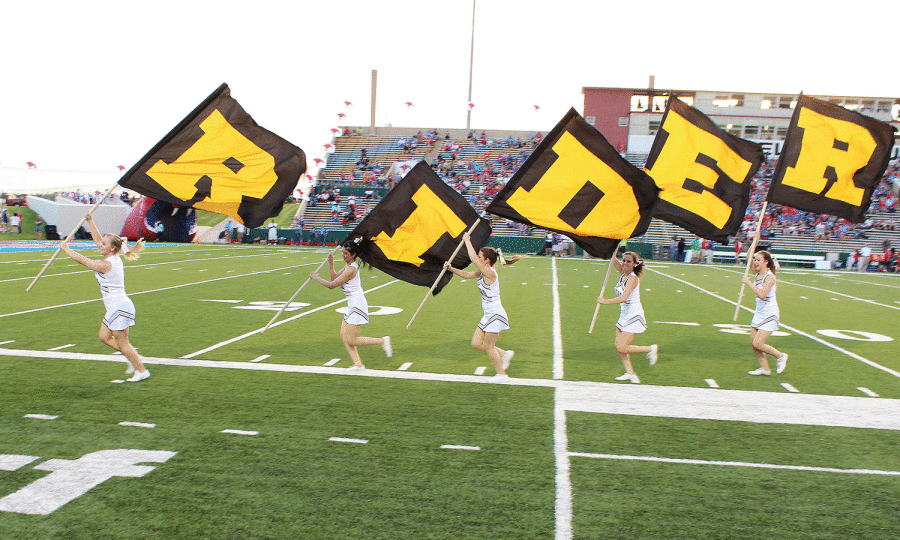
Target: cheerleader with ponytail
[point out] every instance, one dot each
(120, 310)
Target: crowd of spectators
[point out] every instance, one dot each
(787, 221)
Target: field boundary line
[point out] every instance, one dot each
(279, 323)
(734, 464)
(791, 328)
(593, 397)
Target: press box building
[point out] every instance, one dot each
(630, 117)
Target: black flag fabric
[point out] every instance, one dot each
(220, 160)
(832, 160)
(577, 184)
(705, 173)
(416, 227)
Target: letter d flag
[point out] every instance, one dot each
(577, 184)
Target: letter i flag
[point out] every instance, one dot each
(416, 227)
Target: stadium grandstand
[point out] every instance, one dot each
(367, 161)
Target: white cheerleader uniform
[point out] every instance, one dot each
(357, 306)
(119, 308)
(631, 315)
(495, 318)
(767, 313)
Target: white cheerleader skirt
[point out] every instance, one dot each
(767, 322)
(634, 323)
(357, 310)
(119, 312)
(494, 321)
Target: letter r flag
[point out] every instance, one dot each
(832, 160)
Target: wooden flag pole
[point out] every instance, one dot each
(602, 290)
(305, 283)
(750, 252)
(71, 234)
(443, 270)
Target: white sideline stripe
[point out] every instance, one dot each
(867, 392)
(7, 342)
(151, 290)
(405, 366)
(137, 424)
(735, 464)
(679, 323)
(41, 416)
(557, 326)
(608, 398)
(62, 347)
(239, 432)
(279, 323)
(342, 439)
(712, 383)
(459, 447)
(789, 387)
(332, 362)
(480, 370)
(795, 330)
(261, 358)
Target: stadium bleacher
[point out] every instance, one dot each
(382, 149)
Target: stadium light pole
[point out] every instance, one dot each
(471, 60)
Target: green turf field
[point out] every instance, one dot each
(421, 445)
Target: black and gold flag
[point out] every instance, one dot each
(832, 160)
(577, 184)
(704, 172)
(416, 227)
(220, 160)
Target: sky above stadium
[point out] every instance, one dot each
(93, 85)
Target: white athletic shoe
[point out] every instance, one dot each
(499, 378)
(506, 358)
(760, 371)
(356, 368)
(140, 376)
(388, 350)
(130, 369)
(629, 377)
(782, 363)
(652, 355)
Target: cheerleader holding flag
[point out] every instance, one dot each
(120, 312)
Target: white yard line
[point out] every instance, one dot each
(873, 302)
(557, 326)
(563, 464)
(155, 290)
(279, 323)
(792, 329)
(735, 464)
(146, 265)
